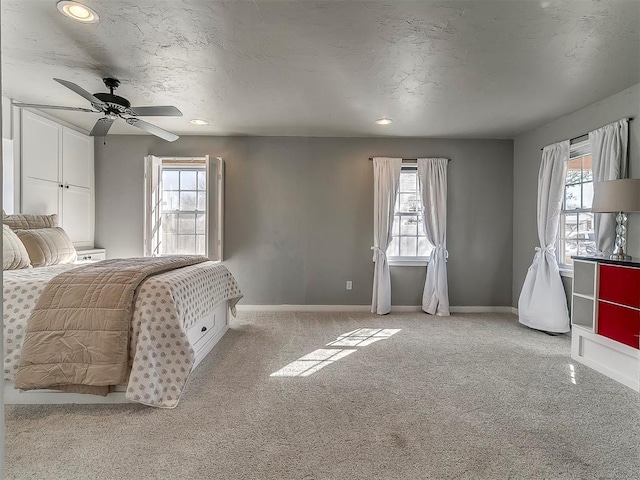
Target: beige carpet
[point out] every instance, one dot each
(470, 396)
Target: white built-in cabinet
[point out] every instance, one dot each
(605, 316)
(57, 175)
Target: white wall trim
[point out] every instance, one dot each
(566, 272)
(514, 310)
(303, 308)
(481, 309)
(405, 308)
(366, 308)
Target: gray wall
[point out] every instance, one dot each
(299, 214)
(527, 157)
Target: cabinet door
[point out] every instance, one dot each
(618, 323)
(77, 211)
(41, 147)
(77, 158)
(40, 197)
(620, 284)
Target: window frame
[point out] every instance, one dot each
(194, 166)
(153, 218)
(408, 261)
(579, 148)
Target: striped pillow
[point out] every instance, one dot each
(25, 221)
(48, 246)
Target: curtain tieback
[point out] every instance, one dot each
(550, 249)
(377, 252)
(440, 248)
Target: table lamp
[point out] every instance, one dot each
(619, 197)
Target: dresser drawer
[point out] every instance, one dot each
(87, 255)
(620, 284)
(618, 323)
(201, 331)
(91, 257)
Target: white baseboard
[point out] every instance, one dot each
(514, 310)
(404, 308)
(365, 308)
(303, 308)
(481, 309)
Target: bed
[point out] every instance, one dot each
(178, 316)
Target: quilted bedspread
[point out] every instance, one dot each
(165, 307)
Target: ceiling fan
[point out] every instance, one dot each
(114, 107)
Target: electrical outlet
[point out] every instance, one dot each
(349, 284)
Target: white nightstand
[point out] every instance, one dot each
(91, 254)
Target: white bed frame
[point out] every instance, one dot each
(203, 336)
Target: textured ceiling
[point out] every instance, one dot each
(456, 69)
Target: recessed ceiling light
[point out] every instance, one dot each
(78, 11)
(383, 121)
(198, 121)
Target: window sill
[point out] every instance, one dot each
(422, 262)
(566, 272)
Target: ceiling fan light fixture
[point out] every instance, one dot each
(199, 121)
(383, 121)
(78, 11)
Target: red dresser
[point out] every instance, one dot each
(605, 317)
(619, 304)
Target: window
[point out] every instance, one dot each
(409, 244)
(184, 209)
(177, 206)
(577, 235)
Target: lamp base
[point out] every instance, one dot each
(620, 257)
(621, 240)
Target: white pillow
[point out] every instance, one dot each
(14, 253)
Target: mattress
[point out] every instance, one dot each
(166, 305)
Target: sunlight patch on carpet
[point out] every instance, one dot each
(362, 337)
(318, 359)
(312, 362)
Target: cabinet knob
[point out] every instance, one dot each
(204, 329)
(61, 186)
(67, 186)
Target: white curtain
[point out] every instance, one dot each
(542, 304)
(609, 146)
(432, 175)
(386, 178)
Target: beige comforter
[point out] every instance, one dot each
(77, 335)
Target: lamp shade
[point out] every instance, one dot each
(614, 196)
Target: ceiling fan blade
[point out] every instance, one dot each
(80, 91)
(53, 107)
(166, 111)
(157, 131)
(101, 128)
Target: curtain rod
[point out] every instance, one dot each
(586, 134)
(410, 159)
